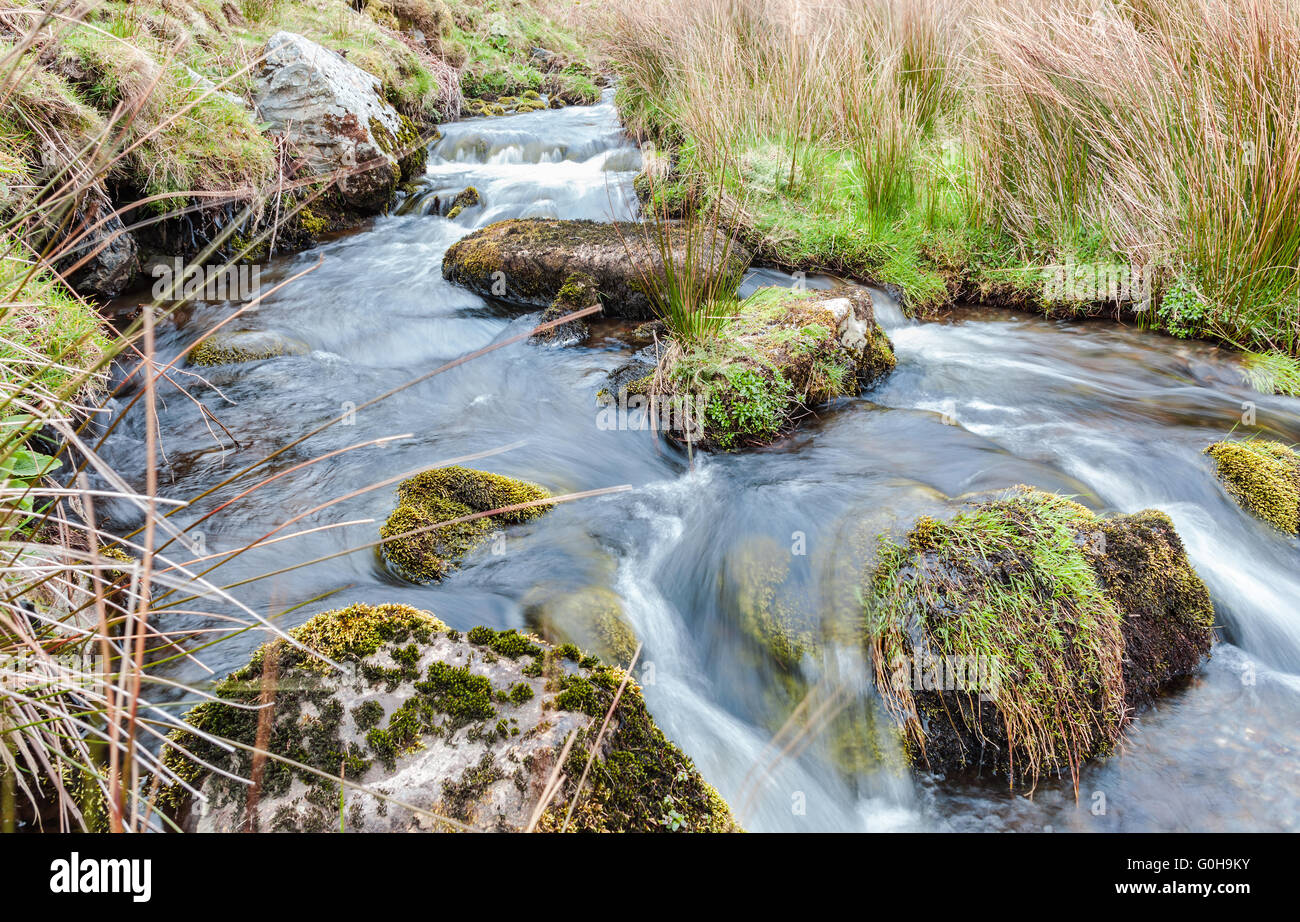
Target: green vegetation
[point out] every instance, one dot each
(639, 781)
(495, 46)
(1004, 583)
(781, 355)
(422, 550)
(1263, 477)
(956, 151)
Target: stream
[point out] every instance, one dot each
(983, 400)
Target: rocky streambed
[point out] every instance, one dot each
(745, 576)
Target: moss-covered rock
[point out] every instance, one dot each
(578, 291)
(466, 198)
(420, 552)
(224, 348)
(1018, 637)
(786, 352)
(590, 618)
(1263, 477)
(528, 260)
(431, 730)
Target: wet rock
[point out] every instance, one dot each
(100, 235)
(1018, 637)
(785, 352)
(528, 260)
(435, 731)
(467, 198)
(333, 113)
(1264, 479)
(422, 554)
(590, 618)
(577, 292)
(229, 348)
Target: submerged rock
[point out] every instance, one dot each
(577, 292)
(590, 618)
(1263, 477)
(528, 260)
(467, 198)
(432, 730)
(1018, 637)
(441, 495)
(222, 348)
(785, 352)
(333, 113)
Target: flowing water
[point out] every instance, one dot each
(988, 400)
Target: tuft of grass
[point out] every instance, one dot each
(1272, 372)
(1005, 582)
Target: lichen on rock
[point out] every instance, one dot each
(429, 730)
(1263, 477)
(442, 495)
(1018, 637)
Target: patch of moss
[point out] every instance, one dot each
(1263, 477)
(639, 782)
(208, 354)
(421, 552)
(509, 643)
(308, 718)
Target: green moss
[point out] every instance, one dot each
(1263, 477)
(441, 495)
(459, 693)
(509, 643)
(308, 718)
(467, 198)
(639, 782)
(208, 354)
(367, 715)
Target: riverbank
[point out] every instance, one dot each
(1134, 161)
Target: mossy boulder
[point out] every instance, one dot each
(1019, 636)
(590, 618)
(417, 550)
(1263, 477)
(222, 348)
(528, 260)
(578, 291)
(429, 729)
(466, 198)
(784, 353)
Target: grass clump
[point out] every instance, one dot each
(422, 550)
(1007, 584)
(1263, 477)
(781, 355)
